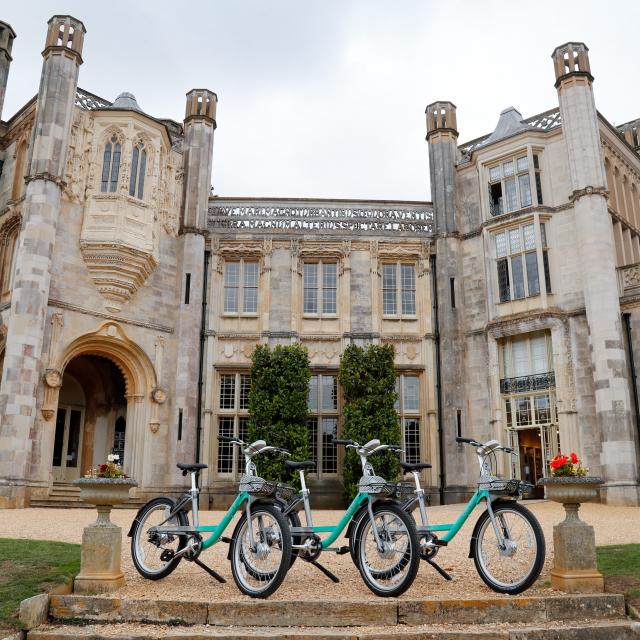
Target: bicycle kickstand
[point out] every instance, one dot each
(331, 576)
(210, 571)
(439, 569)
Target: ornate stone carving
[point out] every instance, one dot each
(631, 276)
(159, 395)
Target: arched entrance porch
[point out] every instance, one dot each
(102, 396)
(90, 419)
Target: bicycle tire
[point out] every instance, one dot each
(483, 527)
(409, 562)
(240, 563)
(141, 517)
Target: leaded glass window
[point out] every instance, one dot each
(408, 407)
(138, 169)
(510, 186)
(233, 420)
(241, 280)
(320, 286)
(517, 262)
(399, 289)
(323, 422)
(110, 166)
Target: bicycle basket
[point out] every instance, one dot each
(285, 492)
(405, 490)
(377, 485)
(501, 487)
(258, 486)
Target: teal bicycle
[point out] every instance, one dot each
(383, 539)
(260, 547)
(507, 543)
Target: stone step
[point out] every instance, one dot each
(618, 629)
(383, 613)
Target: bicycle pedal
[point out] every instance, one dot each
(440, 543)
(342, 550)
(225, 539)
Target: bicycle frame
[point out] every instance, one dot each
(452, 529)
(334, 530)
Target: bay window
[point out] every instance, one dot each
(517, 262)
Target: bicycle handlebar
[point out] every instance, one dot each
(461, 440)
(346, 443)
(230, 439)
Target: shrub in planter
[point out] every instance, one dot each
(367, 376)
(278, 411)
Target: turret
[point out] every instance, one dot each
(596, 251)
(29, 299)
(199, 125)
(442, 136)
(7, 36)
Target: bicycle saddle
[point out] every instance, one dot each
(295, 464)
(183, 466)
(416, 466)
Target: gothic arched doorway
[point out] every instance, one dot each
(90, 418)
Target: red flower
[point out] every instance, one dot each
(103, 467)
(574, 458)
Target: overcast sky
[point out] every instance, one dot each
(326, 98)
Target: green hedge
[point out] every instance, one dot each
(368, 377)
(278, 411)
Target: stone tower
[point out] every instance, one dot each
(7, 36)
(47, 157)
(442, 137)
(596, 251)
(199, 125)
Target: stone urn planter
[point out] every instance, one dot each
(575, 568)
(100, 569)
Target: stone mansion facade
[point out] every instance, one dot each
(131, 299)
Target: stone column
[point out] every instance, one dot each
(596, 252)
(199, 125)
(23, 366)
(7, 36)
(442, 137)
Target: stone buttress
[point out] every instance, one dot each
(22, 365)
(595, 247)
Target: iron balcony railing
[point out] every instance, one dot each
(522, 384)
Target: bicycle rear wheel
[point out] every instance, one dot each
(260, 562)
(392, 570)
(515, 565)
(153, 553)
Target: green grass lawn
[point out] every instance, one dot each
(620, 565)
(29, 567)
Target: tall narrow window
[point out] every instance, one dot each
(241, 287)
(323, 422)
(233, 419)
(399, 289)
(138, 168)
(110, 166)
(320, 284)
(517, 262)
(408, 408)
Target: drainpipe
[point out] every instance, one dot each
(436, 333)
(634, 383)
(203, 326)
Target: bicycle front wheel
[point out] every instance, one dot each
(389, 561)
(261, 555)
(513, 563)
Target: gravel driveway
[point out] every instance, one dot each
(613, 525)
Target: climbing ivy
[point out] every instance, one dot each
(278, 411)
(367, 377)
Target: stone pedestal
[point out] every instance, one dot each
(574, 563)
(100, 570)
(575, 568)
